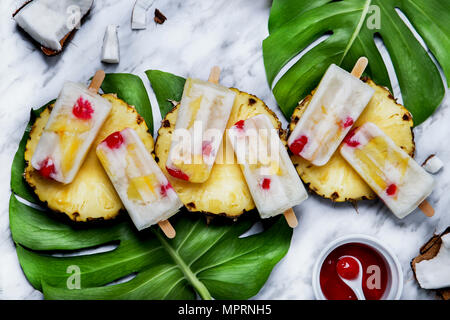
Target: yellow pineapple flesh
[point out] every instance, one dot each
(337, 180)
(91, 195)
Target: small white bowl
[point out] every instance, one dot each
(395, 282)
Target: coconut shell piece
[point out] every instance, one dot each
(159, 18)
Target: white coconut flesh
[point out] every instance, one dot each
(110, 49)
(139, 16)
(433, 164)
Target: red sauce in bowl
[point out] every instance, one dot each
(374, 268)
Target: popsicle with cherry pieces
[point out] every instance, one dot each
(75, 120)
(401, 183)
(338, 101)
(141, 185)
(201, 121)
(271, 177)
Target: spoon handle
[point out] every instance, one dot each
(359, 294)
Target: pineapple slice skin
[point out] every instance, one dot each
(337, 180)
(225, 193)
(91, 196)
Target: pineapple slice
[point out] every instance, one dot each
(337, 180)
(225, 192)
(91, 195)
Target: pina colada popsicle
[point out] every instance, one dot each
(271, 177)
(74, 122)
(201, 121)
(144, 190)
(391, 173)
(337, 103)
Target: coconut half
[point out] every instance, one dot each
(51, 22)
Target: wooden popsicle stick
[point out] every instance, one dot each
(426, 208)
(167, 228)
(290, 217)
(97, 81)
(359, 67)
(214, 75)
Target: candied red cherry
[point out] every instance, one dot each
(114, 140)
(177, 173)
(347, 268)
(265, 184)
(298, 145)
(240, 124)
(47, 168)
(391, 190)
(348, 122)
(348, 139)
(164, 188)
(82, 109)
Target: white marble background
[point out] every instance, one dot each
(196, 36)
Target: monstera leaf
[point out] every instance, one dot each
(167, 86)
(131, 89)
(350, 27)
(111, 260)
(18, 184)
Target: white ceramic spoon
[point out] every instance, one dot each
(355, 283)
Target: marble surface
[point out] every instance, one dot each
(196, 36)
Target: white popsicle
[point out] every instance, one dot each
(392, 174)
(271, 177)
(201, 121)
(141, 185)
(337, 103)
(74, 122)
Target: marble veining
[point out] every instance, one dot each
(196, 36)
